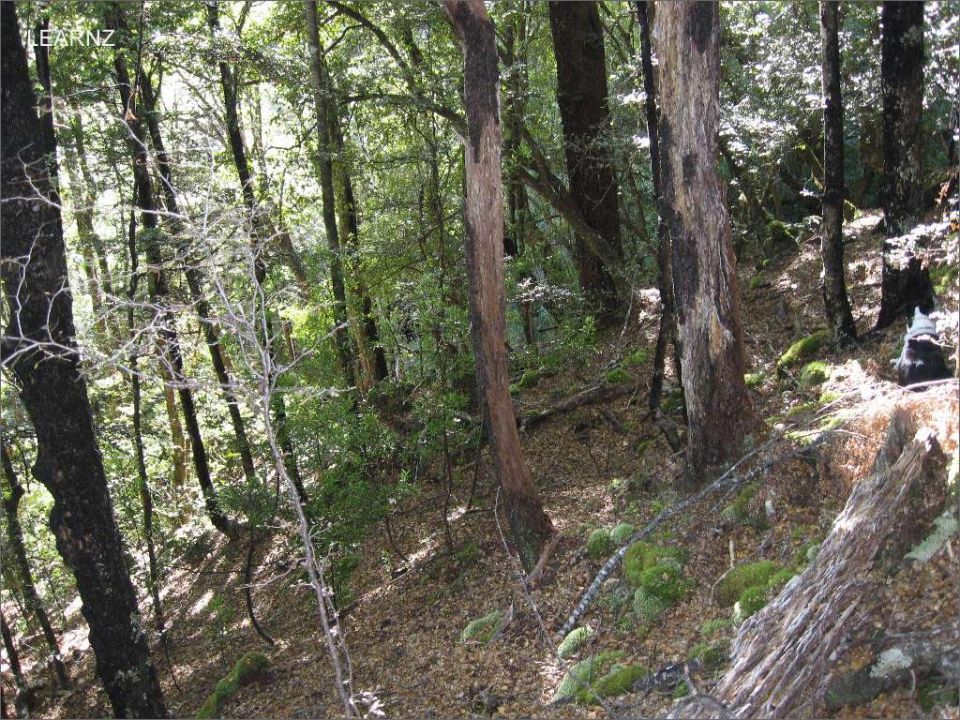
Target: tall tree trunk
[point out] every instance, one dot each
(530, 525)
(321, 90)
(905, 281)
(146, 497)
(158, 289)
(262, 231)
(582, 98)
(834, 286)
(179, 441)
(18, 565)
(667, 333)
(719, 412)
(39, 347)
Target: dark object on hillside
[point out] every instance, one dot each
(922, 357)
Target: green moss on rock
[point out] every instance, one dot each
(642, 555)
(754, 380)
(751, 600)
(574, 640)
(713, 655)
(576, 683)
(618, 376)
(732, 585)
(246, 670)
(529, 379)
(803, 349)
(814, 373)
(635, 359)
(618, 681)
(621, 533)
(599, 544)
(647, 607)
(665, 582)
(484, 629)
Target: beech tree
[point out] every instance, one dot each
(834, 287)
(582, 99)
(905, 282)
(719, 412)
(529, 524)
(39, 347)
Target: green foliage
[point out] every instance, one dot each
(711, 627)
(756, 281)
(944, 277)
(739, 510)
(245, 671)
(621, 533)
(618, 376)
(827, 397)
(483, 629)
(574, 640)
(754, 380)
(803, 349)
(635, 359)
(615, 598)
(748, 575)
(814, 373)
(681, 690)
(599, 544)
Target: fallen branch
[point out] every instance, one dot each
(590, 396)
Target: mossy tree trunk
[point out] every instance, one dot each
(529, 524)
(719, 411)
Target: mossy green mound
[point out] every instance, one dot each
(643, 555)
(647, 607)
(574, 640)
(635, 359)
(740, 578)
(803, 349)
(247, 669)
(484, 629)
(713, 655)
(575, 685)
(754, 380)
(618, 376)
(751, 600)
(529, 379)
(597, 677)
(665, 582)
(621, 533)
(599, 544)
(814, 373)
(739, 510)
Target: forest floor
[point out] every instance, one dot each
(596, 466)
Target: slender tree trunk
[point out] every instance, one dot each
(261, 233)
(321, 91)
(834, 287)
(905, 281)
(19, 566)
(39, 347)
(23, 701)
(158, 290)
(179, 441)
(146, 498)
(530, 525)
(582, 98)
(719, 412)
(667, 333)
